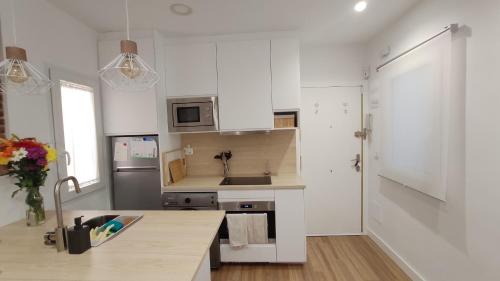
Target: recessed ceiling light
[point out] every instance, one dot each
(181, 9)
(360, 6)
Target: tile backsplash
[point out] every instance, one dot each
(252, 154)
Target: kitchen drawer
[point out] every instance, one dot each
(249, 253)
(245, 195)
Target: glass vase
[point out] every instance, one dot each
(35, 212)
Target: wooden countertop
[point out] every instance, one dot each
(211, 183)
(163, 245)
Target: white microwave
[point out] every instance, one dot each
(192, 114)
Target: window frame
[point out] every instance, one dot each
(57, 75)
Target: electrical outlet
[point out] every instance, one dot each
(188, 150)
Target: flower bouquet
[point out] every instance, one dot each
(27, 161)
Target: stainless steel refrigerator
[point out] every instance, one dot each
(136, 173)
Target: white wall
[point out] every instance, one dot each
(456, 240)
(51, 37)
(331, 64)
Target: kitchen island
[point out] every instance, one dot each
(162, 245)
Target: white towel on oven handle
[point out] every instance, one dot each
(237, 226)
(257, 228)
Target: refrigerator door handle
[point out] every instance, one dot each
(143, 168)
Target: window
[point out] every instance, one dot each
(2, 118)
(78, 131)
(2, 114)
(80, 136)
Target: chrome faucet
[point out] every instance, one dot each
(60, 231)
(224, 157)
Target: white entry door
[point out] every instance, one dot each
(329, 119)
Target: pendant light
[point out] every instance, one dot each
(17, 75)
(128, 71)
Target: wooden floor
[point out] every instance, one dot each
(349, 258)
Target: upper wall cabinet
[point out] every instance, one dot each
(191, 69)
(128, 113)
(285, 64)
(244, 85)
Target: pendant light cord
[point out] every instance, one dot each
(13, 10)
(126, 12)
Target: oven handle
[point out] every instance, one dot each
(247, 206)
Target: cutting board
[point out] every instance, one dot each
(176, 170)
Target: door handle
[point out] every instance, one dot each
(356, 162)
(68, 158)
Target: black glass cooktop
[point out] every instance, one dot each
(246, 181)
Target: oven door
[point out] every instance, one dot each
(249, 208)
(271, 227)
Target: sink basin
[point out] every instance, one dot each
(98, 222)
(266, 180)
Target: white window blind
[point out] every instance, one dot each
(415, 93)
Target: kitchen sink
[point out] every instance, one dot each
(99, 222)
(265, 180)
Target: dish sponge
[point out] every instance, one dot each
(115, 228)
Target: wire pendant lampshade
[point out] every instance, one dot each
(128, 71)
(17, 75)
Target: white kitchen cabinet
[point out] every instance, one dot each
(244, 82)
(191, 69)
(285, 65)
(249, 253)
(203, 273)
(128, 113)
(290, 226)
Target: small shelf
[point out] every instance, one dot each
(286, 120)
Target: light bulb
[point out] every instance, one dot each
(360, 6)
(130, 67)
(16, 73)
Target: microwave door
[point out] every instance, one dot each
(187, 115)
(192, 114)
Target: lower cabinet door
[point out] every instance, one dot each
(290, 226)
(203, 273)
(249, 253)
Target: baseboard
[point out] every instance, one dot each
(400, 261)
(331, 234)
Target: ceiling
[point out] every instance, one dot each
(317, 21)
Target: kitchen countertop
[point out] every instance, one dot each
(161, 246)
(211, 183)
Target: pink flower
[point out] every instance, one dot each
(36, 152)
(42, 162)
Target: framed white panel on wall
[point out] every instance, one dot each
(415, 97)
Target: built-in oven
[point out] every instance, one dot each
(192, 114)
(249, 207)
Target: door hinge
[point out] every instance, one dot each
(361, 134)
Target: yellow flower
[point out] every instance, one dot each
(51, 153)
(4, 161)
